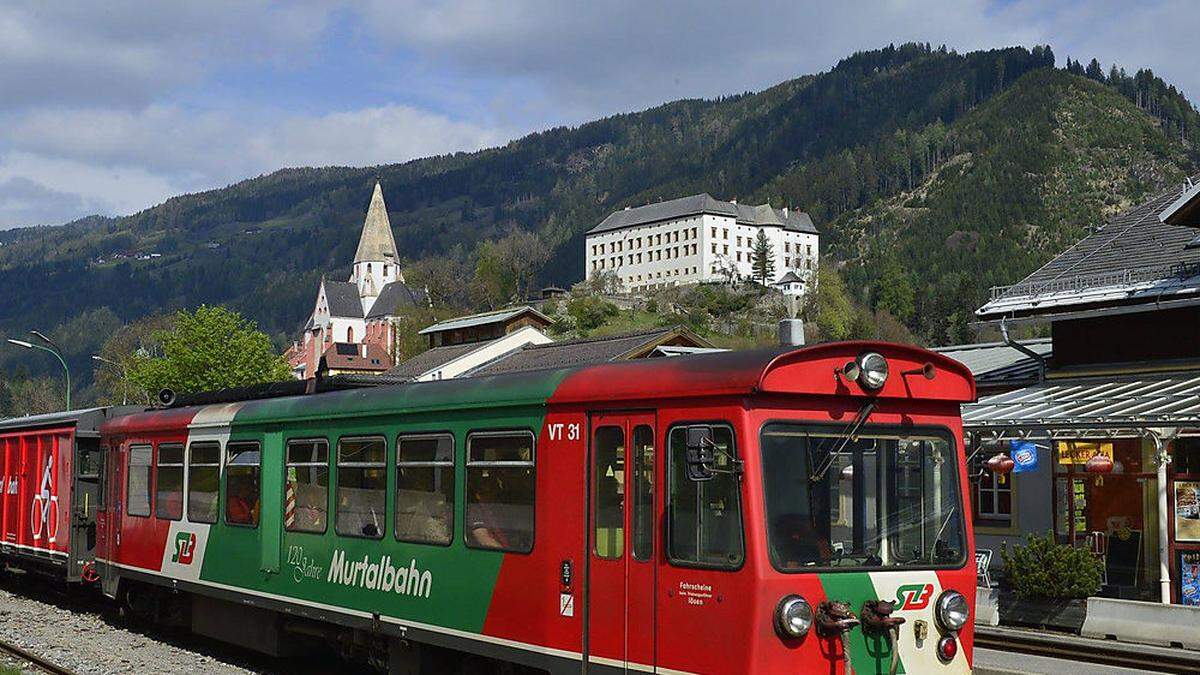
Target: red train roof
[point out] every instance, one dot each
(802, 371)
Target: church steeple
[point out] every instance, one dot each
(376, 243)
(376, 263)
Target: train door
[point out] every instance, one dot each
(111, 530)
(622, 541)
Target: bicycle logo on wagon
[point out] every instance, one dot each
(44, 512)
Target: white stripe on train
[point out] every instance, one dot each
(504, 642)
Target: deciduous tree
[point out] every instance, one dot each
(208, 349)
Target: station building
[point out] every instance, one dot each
(1107, 414)
(698, 239)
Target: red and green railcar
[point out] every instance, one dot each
(767, 511)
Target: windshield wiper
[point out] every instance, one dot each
(859, 419)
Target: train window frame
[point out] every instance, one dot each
(287, 464)
(928, 431)
(158, 467)
(453, 464)
(149, 449)
(337, 484)
(637, 553)
(669, 530)
(468, 464)
(225, 475)
(619, 490)
(190, 473)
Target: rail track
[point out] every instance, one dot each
(1087, 650)
(34, 660)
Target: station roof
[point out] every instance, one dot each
(486, 318)
(1136, 259)
(1094, 406)
(996, 364)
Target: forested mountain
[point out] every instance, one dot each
(932, 174)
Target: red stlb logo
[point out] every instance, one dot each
(185, 548)
(914, 596)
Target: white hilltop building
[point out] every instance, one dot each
(700, 239)
(351, 328)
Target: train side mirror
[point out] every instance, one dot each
(700, 454)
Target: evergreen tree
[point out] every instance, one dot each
(1094, 71)
(762, 259)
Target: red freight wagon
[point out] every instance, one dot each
(49, 470)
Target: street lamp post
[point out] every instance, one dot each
(53, 349)
(124, 376)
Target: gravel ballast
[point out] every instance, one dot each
(85, 638)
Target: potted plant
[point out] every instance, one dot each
(1047, 583)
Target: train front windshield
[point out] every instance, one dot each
(875, 500)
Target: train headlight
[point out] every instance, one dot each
(874, 370)
(952, 610)
(793, 617)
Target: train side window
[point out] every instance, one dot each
(704, 517)
(242, 495)
(609, 487)
(361, 487)
(102, 478)
(137, 490)
(642, 487)
(500, 491)
(425, 488)
(204, 474)
(306, 497)
(168, 482)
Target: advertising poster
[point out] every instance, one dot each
(1079, 452)
(1189, 578)
(1187, 511)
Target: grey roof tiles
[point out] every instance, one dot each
(343, 300)
(1134, 258)
(684, 207)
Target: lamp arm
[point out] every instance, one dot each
(66, 370)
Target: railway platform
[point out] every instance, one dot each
(1015, 651)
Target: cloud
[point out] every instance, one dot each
(603, 57)
(129, 53)
(581, 60)
(43, 190)
(118, 162)
(23, 201)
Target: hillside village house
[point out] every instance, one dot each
(697, 239)
(359, 311)
(1110, 424)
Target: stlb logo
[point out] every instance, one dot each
(185, 548)
(914, 596)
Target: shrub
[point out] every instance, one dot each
(1045, 569)
(590, 311)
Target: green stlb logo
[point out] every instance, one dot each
(914, 596)
(185, 548)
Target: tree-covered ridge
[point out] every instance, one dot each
(931, 174)
(1022, 179)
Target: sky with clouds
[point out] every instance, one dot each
(112, 107)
